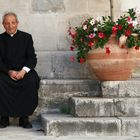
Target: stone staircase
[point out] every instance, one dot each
(116, 113)
(54, 94)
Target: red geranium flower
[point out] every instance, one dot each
(119, 27)
(72, 58)
(128, 32)
(72, 32)
(71, 48)
(101, 35)
(114, 29)
(90, 44)
(123, 46)
(129, 19)
(137, 47)
(108, 50)
(91, 36)
(82, 60)
(130, 25)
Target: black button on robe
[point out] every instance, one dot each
(17, 98)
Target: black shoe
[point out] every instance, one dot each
(4, 122)
(24, 122)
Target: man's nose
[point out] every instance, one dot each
(10, 25)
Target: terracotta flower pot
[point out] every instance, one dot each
(117, 65)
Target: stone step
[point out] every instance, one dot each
(129, 88)
(54, 93)
(63, 125)
(105, 107)
(50, 86)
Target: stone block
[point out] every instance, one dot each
(128, 88)
(56, 65)
(43, 29)
(44, 65)
(63, 68)
(130, 126)
(76, 6)
(98, 107)
(99, 8)
(127, 107)
(92, 107)
(63, 125)
(126, 4)
(48, 6)
(16, 6)
(110, 88)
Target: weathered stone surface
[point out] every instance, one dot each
(120, 7)
(128, 88)
(56, 65)
(45, 39)
(98, 5)
(62, 125)
(44, 65)
(110, 88)
(130, 126)
(62, 86)
(54, 94)
(92, 107)
(48, 5)
(76, 6)
(127, 107)
(17, 6)
(17, 133)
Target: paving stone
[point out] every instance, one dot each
(16, 133)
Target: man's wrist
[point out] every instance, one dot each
(23, 71)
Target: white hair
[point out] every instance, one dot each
(9, 14)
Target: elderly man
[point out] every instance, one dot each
(19, 81)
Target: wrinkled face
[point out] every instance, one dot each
(10, 24)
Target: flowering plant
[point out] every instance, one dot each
(95, 33)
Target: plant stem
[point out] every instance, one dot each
(111, 10)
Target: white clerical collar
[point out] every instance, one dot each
(13, 34)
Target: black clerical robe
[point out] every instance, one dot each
(17, 98)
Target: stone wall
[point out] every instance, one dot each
(48, 22)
